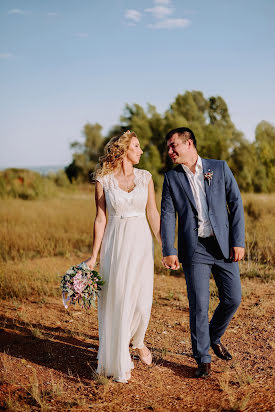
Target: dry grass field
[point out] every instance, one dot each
(48, 354)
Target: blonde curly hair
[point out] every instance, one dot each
(113, 153)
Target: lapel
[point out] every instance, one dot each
(206, 165)
(186, 186)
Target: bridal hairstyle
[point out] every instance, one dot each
(113, 153)
(184, 133)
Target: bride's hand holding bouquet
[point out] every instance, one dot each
(90, 262)
(81, 284)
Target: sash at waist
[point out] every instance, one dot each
(126, 216)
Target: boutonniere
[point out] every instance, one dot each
(209, 176)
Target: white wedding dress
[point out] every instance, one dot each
(127, 267)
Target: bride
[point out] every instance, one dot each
(126, 257)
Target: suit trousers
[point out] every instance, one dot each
(208, 258)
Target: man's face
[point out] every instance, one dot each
(178, 151)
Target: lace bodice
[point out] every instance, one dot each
(123, 204)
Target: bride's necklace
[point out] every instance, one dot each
(129, 188)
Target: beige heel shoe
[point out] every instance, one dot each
(147, 359)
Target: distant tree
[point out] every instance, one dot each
(242, 163)
(135, 119)
(253, 163)
(145, 126)
(210, 121)
(217, 137)
(86, 154)
(218, 112)
(265, 151)
(190, 105)
(157, 126)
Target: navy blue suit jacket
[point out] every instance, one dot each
(224, 205)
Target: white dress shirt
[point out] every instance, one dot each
(197, 185)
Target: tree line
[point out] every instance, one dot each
(217, 137)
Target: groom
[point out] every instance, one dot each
(206, 198)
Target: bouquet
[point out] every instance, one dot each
(80, 284)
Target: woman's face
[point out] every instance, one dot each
(134, 151)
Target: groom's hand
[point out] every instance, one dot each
(236, 253)
(171, 262)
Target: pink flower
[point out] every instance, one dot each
(79, 283)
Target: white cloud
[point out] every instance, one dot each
(160, 12)
(170, 24)
(81, 35)
(18, 11)
(133, 15)
(52, 14)
(162, 2)
(6, 56)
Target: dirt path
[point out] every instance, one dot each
(48, 357)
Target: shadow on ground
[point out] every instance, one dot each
(47, 346)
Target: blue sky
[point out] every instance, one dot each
(67, 62)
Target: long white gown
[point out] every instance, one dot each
(127, 267)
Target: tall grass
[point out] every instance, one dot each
(63, 225)
(52, 227)
(40, 239)
(38, 277)
(260, 235)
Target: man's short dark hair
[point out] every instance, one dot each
(183, 132)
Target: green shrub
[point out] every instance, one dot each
(25, 184)
(60, 178)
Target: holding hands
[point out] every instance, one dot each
(171, 262)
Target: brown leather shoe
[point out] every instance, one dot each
(221, 351)
(203, 370)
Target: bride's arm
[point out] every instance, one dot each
(152, 211)
(99, 224)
